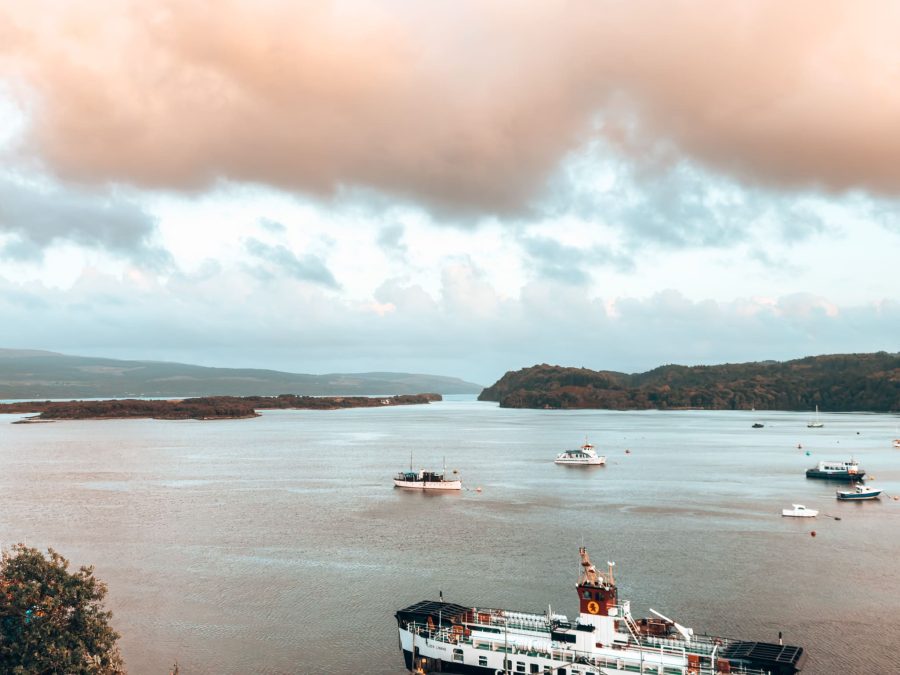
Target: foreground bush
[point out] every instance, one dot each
(52, 620)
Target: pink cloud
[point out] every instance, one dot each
(467, 104)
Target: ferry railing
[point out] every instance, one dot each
(650, 645)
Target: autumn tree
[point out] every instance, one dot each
(52, 620)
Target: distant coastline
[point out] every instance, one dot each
(835, 383)
(205, 408)
(35, 375)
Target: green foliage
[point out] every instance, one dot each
(836, 383)
(52, 620)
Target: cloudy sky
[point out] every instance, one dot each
(452, 187)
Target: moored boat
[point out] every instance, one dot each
(586, 454)
(438, 636)
(836, 470)
(815, 423)
(862, 492)
(427, 480)
(799, 511)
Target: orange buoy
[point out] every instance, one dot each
(478, 489)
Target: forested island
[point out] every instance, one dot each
(206, 408)
(836, 383)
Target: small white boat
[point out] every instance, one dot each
(897, 443)
(860, 493)
(816, 423)
(799, 511)
(427, 480)
(585, 455)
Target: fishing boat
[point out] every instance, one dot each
(799, 511)
(604, 638)
(862, 492)
(836, 470)
(758, 425)
(816, 423)
(427, 480)
(585, 455)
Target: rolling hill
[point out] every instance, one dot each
(33, 374)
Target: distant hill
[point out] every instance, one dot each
(32, 374)
(836, 383)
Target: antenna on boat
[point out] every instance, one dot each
(410, 461)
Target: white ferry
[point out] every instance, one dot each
(585, 455)
(604, 639)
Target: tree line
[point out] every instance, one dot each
(837, 383)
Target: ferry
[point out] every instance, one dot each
(604, 639)
(837, 470)
(585, 455)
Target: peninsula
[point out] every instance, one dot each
(207, 408)
(836, 383)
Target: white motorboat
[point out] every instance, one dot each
(585, 455)
(799, 511)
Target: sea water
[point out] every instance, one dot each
(278, 544)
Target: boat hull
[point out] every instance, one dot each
(442, 486)
(856, 497)
(835, 475)
(597, 461)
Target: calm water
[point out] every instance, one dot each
(277, 545)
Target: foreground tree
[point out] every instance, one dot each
(52, 620)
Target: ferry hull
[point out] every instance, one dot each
(445, 666)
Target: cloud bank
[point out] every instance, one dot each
(465, 328)
(463, 105)
(35, 217)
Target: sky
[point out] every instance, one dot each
(453, 187)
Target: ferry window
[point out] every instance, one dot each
(587, 595)
(508, 665)
(561, 671)
(482, 661)
(458, 655)
(520, 667)
(534, 667)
